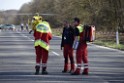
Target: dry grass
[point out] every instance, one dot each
(107, 39)
(57, 31)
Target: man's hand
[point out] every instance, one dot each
(61, 48)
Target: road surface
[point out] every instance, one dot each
(17, 61)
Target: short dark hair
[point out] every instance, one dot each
(77, 19)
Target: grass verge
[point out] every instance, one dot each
(57, 32)
(109, 44)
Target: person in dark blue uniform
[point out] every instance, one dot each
(66, 46)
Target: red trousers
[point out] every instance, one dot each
(82, 55)
(41, 54)
(68, 53)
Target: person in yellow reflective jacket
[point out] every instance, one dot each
(42, 35)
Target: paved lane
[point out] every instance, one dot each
(17, 61)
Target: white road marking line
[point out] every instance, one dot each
(108, 48)
(55, 53)
(25, 36)
(58, 36)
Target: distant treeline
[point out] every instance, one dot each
(106, 15)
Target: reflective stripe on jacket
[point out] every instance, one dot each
(80, 29)
(42, 44)
(42, 28)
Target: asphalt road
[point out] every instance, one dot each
(17, 61)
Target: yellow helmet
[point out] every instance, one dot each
(37, 14)
(36, 19)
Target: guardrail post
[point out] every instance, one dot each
(117, 38)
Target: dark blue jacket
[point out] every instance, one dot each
(67, 36)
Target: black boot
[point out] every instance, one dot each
(64, 71)
(44, 72)
(37, 70)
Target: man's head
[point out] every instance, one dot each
(66, 23)
(76, 21)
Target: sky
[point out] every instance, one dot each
(12, 4)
